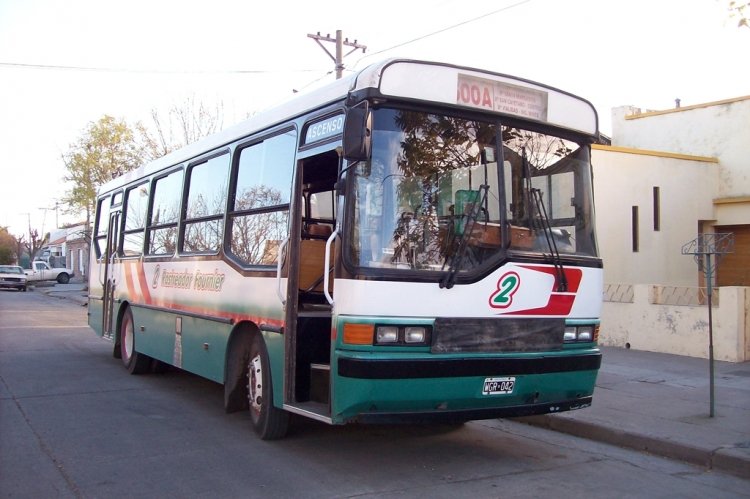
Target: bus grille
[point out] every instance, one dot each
(497, 335)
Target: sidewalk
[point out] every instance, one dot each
(76, 290)
(660, 403)
(647, 401)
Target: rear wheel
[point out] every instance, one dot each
(135, 363)
(269, 422)
(63, 278)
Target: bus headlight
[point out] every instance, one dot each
(586, 333)
(570, 334)
(415, 334)
(402, 335)
(581, 334)
(386, 334)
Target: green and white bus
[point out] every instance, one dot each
(414, 242)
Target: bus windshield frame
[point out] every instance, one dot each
(443, 192)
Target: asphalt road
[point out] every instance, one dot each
(73, 423)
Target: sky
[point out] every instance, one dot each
(65, 64)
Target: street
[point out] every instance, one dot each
(73, 423)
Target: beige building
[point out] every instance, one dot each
(668, 176)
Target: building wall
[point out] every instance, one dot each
(645, 324)
(76, 249)
(624, 178)
(699, 157)
(717, 129)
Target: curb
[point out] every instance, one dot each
(723, 459)
(74, 296)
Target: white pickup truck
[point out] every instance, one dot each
(41, 271)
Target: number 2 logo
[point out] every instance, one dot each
(507, 286)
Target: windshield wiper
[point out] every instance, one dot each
(544, 225)
(454, 261)
(562, 280)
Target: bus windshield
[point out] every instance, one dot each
(438, 190)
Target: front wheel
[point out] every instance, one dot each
(269, 422)
(135, 363)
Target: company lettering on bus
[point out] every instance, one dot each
(325, 129)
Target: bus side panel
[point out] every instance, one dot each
(199, 349)
(96, 297)
(275, 347)
(204, 347)
(96, 314)
(154, 333)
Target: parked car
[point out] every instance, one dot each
(41, 271)
(12, 276)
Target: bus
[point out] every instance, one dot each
(414, 242)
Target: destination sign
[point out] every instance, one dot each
(501, 97)
(325, 129)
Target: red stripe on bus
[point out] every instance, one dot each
(129, 279)
(559, 304)
(144, 284)
(573, 276)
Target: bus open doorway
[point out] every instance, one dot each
(308, 310)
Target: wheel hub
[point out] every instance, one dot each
(255, 386)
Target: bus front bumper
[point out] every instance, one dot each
(426, 388)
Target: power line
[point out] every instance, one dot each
(316, 80)
(151, 71)
(443, 30)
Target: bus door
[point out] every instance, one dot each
(309, 302)
(110, 253)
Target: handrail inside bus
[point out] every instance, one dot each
(327, 265)
(279, 263)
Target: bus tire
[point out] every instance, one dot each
(134, 362)
(269, 422)
(235, 370)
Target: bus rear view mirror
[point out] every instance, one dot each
(358, 132)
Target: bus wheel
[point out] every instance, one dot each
(135, 363)
(269, 421)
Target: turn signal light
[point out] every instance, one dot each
(358, 334)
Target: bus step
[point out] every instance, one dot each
(314, 313)
(320, 375)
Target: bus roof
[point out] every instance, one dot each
(403, 79)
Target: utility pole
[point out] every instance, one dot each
(340, 42)
(57, 220)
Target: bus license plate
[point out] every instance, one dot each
(498, 386)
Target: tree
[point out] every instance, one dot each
(12, 248)
(737, 10)
(183, 124)
(34, 244)
(8, 247)
(106, 150)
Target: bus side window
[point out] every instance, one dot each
(136, 208)
(206, 200)
(102, 225)
(258, 219)
(165, 209)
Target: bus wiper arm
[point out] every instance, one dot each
(562, 280)
(455, 260)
